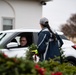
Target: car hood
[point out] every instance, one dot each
(67, 43)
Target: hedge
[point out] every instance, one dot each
(20, 66)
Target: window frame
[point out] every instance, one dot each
(10, 18)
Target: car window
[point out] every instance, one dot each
(28, 35)
(17, 39)
(63, 37)
(10, 37)
(2, 35)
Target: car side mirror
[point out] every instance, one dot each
(12, 44)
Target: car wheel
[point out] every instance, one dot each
(71, 60)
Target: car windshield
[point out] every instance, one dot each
(2, 35)
(63, 37)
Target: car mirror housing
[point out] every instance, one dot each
(12, 44)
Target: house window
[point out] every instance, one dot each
(7, 23)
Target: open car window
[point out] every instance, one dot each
(28, 35)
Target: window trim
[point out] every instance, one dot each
(8, 18)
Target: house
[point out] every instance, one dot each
(15, 14)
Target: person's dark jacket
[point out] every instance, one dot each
(47, 47)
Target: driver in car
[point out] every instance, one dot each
(23, 41)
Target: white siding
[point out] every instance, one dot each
(25, 13)
(5, 11)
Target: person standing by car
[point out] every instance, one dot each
(47, 42)
(23, 41)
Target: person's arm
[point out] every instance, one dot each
(41, 43)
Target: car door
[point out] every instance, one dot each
(12, 49)
(15, 52)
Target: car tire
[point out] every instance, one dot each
(71, 60)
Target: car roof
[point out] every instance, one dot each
(20, 30)
(28, 30)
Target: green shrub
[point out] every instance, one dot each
(19, 66)
(26, 66)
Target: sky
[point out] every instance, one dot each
(58, 12)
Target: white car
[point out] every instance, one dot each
(9, 40)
